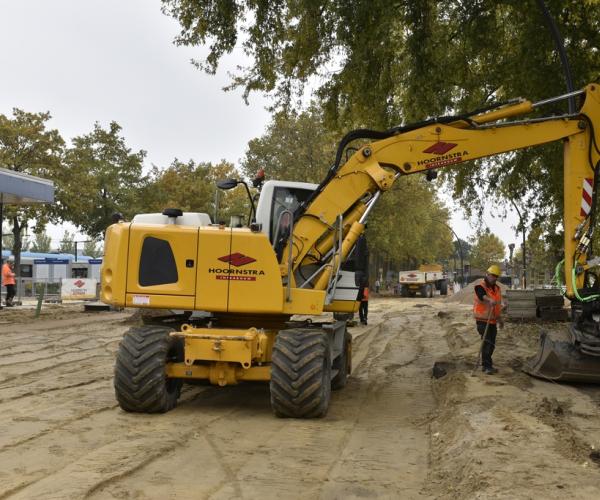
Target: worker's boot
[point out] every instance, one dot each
(490, 370)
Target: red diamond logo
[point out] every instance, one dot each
(79, 283)
(440, 148)
(237, 259)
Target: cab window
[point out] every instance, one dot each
(285, 199)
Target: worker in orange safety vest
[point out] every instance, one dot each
(487, 309)
(8, 279)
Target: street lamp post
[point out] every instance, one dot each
(81, 241)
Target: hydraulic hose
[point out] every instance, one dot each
(556, 279)
(579, 297)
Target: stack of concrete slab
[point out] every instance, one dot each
(550, 304)
(521, 304)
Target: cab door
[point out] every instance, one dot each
(162, 260)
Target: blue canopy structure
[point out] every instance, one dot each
(22, 189)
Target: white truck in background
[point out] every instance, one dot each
(424, 281)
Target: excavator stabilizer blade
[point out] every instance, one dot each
(563, 361)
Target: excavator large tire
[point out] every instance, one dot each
(141, 383)
(301, 373)
(343, 364)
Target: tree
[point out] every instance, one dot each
(295, 147)
(464, 247)
(67, 243)
(8, 239)
(27, 146)
(377, 63)
(42, 242)
(373, 55)
(192, 187)
(541, 259)
(110, 179)
(487, 249)
(91, 248)
(409, 226)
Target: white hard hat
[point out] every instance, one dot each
(11, 258)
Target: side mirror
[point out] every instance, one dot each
(227, 184)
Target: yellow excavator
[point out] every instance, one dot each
(236, 290)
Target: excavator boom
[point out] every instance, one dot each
(350, 189)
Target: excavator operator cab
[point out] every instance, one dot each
(277, 203)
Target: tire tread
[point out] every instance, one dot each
(300, 374)
(140, 381)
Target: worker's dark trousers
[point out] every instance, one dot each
(363, 310)
(10, 294)
(488, 346)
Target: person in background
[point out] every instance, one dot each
(363, 309)
(377, 285)
(8, 278)
(487, 307)
(361, 276)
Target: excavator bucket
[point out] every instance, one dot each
(566, 361)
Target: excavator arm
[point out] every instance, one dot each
(327, 228)
(354, 187)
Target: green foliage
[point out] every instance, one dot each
(41, 242)
(27, 146)
(378, 63)
(109, 179)
(541, 257)
(234, 202)
(67, 243)
(410, 226)
(191, 187)
(539, 252)
(91, 248)
(487, 249)
(464, 247)
(295, 146)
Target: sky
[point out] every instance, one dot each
(88, 61)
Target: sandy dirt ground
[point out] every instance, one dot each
(393, 432)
